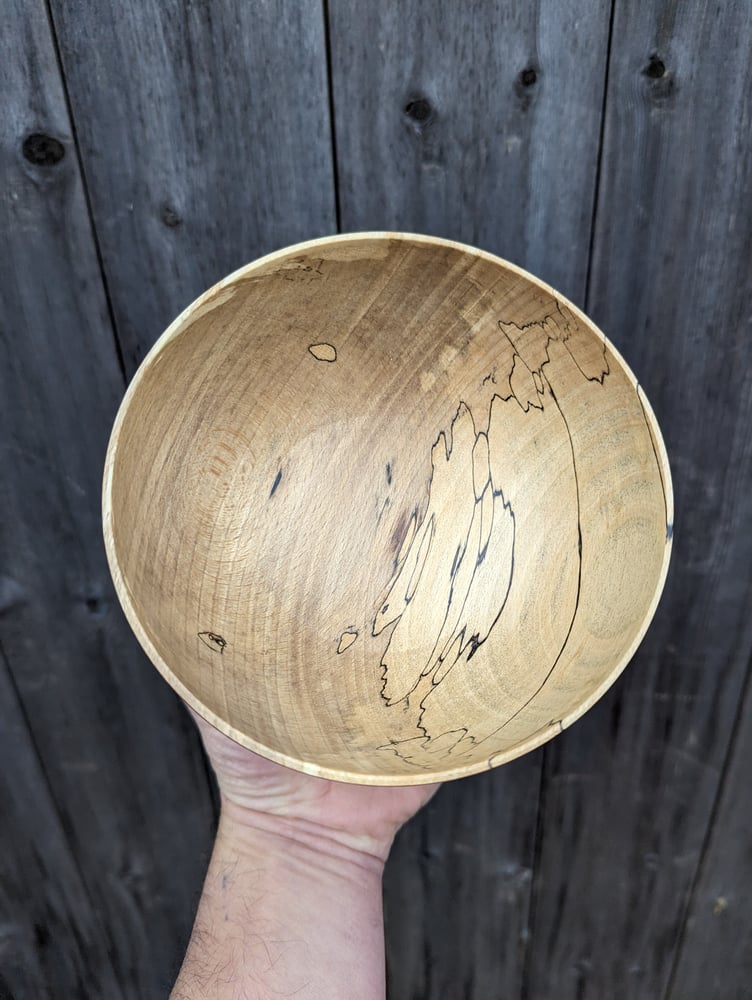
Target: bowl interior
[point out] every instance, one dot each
(387, 509)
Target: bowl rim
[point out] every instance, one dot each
(310, 767)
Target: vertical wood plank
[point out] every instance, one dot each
(474, 122)
(117, 752)
(52, 943)
(630, 789)
(467, 122)
(716, 950)
(457, 889)
(204, 134)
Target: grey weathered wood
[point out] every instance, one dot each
(492, 165)
(457, 889)
(716, 949)
(119, 757)
(630, 789)
(52, 942)
(506, 157)
(204, 134)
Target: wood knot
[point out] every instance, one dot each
(525, 85)
(96, 605)
(170, 217)
(42, 150)
(655, 69)
(661, 82)
(418, 111)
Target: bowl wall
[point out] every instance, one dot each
(387, 509)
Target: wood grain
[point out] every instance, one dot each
(52, 940)
(630, 792)
(504, 509)
(205, 142)
(718, 921)
(466, 121)
(464, 869)
(116, 772)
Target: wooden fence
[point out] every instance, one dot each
(148, 148)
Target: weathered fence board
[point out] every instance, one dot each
(204, 134)
(716, 950)
(119, 756)
(461, 125)
(476, 122)
(630, 791)
(52, 943)
(457, 889)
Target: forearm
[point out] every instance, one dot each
(285, 912)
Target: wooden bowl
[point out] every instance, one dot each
(387, 509)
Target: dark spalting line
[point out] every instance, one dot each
(396, 541)
(395, 745)
(291, 270)
(590, 378)
(468, 739)
(351, 634)
(457, 555)
(669, 524)
(505, 505)
(389, 473)
(384, 507)
(457, 639)
(301, 266)
(275, 484)
(525, 407)
(553, 666)
(420, 564)
(474, 641)
(315, 350)
(562, 339)
(579, 515)
(214, 641)
(400, 748)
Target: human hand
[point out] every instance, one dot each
(256, 791)
(292, 899)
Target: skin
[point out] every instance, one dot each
(292, 901)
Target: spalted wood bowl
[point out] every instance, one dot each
(387, 509)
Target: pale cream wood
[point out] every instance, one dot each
(387, 509)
